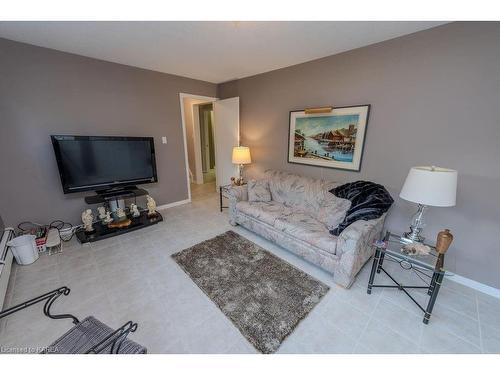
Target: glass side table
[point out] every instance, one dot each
(429, 268)
(224, 193)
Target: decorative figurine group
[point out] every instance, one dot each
(443, 242)
(237, 181)
(120, 215)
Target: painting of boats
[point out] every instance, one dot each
(333, 139)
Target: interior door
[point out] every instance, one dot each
(227, 136)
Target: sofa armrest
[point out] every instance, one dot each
(236, 194)
(354, 246)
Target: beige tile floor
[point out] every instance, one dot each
(133, 277)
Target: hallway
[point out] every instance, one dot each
(203, 191)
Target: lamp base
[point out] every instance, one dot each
(413, 236)
(416, 227)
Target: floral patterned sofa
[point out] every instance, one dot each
(298, 217)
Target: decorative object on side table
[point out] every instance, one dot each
(241, 156)
(151, 204)
(416, 248)
(443, 242)
(237, 181)
(134, 210)
(428, 266)
(87, 220)
(427, 186)
(328, 137)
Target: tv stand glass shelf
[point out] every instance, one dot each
(104, 196)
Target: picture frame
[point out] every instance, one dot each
(332, 139)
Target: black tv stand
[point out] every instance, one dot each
(102, 231)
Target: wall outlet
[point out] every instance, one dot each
(164, 140)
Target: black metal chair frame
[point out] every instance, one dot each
(114, 339)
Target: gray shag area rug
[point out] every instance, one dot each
(264, 296)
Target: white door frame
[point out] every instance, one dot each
(183, 120)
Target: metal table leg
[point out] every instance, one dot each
(375, 266)
(435, 290)
(382, 254)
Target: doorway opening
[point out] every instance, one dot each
(211, 130)
(197, 120)
(207, 145)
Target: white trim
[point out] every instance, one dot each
(183, 121)
(173, 204)
(476, 285)
(198, 164)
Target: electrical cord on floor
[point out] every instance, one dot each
(65, 229)
(63, 226)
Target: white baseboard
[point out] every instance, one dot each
(173, 204)
(483, 288)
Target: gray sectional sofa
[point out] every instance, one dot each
(297, 213)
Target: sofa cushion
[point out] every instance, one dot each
(258, 191)
(332, 211)
(306, 228)
(309, 195)
(267, 212)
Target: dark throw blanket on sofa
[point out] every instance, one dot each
(368, 201)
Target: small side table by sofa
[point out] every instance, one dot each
(224, 193)
(428, 267)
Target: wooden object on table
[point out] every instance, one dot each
(443, 241)
(120, 224)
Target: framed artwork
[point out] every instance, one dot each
(333, 139)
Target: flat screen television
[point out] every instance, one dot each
(104, 163)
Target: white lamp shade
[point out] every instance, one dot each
(241, 155)
(431, 186)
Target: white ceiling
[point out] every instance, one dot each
(210, 51)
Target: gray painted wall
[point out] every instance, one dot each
(44, 92)
(434, 96)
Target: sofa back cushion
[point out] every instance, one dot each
(258, 191)
(309, 195)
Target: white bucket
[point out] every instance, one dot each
(24, 249)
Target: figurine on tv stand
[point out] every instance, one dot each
(102, 212)
(87, 220)
(151, 204)
(134, 210)
(120, 214)
(107, 219)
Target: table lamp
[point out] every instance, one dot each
(427, 186)
(241, 156)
